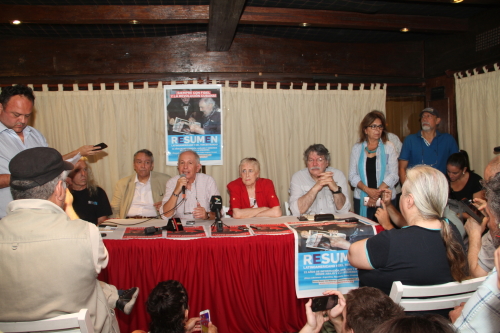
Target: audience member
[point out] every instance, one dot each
(140, 194)
(429, 251)
(319, 188)
(168, 308)
(89, 200)
(16, 108)
(416, 324)
(428, 146)
(464, 182)
(211, 122)
(50, 263)
(188, 194)
(481, 312)
(362, 311)
(482, 248)
(373, 166)
(250, 195)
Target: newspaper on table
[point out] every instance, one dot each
(138, 232)
(232, 231)
(188, 233)
(270, 229)
(321, 255)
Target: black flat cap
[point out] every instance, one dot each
(37, 165)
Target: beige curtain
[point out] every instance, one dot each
(273, 125)
(478, 115)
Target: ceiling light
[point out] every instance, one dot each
(134, 22)
(15, 22)
(404, 29)
(304, 25)
(456, 1)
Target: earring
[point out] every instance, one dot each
(463, 173)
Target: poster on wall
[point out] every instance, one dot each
(321, 256)
(193, 120)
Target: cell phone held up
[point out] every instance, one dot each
(100, 146)
(323, 303)
(204, 320)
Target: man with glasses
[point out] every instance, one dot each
(319, 188)
(188, 194)
(428, 146)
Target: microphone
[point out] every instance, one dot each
(496, 149)
(183, 191)
(216, 206)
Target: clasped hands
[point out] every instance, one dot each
(326, 179)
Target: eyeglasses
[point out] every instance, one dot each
(380, 127)
(319, 160)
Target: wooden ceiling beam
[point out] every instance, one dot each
(224, 18)
(226, 13)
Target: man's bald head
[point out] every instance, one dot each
(492, 168)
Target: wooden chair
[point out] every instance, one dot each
(73, 322)
(436, 297)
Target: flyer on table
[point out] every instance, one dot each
(321, 256)
(193, 120)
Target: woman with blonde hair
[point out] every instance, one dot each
(250, 195)
(428, 251)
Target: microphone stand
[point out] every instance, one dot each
(218, 224)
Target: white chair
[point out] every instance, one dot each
(287, 209)
(73, 322)
(225, 209)
(441, 296)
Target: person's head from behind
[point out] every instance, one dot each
(16, 107)
(492, 187)
(168, 307)
(39, 173)
(457, 165)
(366, 308)
(424, 197)
(416, 324)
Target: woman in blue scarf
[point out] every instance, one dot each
(373, 166)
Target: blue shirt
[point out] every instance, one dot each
(10, 145)
(416, 151)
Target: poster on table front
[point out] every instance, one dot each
(321, 256)
(193, 120)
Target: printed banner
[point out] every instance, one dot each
(193, 120)
(321, 256)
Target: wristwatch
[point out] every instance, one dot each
(338, 191)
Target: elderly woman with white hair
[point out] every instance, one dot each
(427, 251)
(250, 195)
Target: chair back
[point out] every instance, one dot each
(73, 322)
(436, 297)
(288, 212)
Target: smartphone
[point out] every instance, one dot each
(205, 319)
(324, 303)
(365, 202)
(100, 146)
(472, 210)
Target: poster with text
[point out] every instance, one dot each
(193, 120)
(321, 256)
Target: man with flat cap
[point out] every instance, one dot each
(49, 262)
(428, 146)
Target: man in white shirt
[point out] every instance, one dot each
(139, 195)
(196, 188)
(319, 188)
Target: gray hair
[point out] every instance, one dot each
(319, 149)
(492, 187)
(38, 192)
(208, 101)
(429, 189)
(250, 160)
(189, 151)
(145, 152)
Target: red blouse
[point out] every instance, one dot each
(265, 194)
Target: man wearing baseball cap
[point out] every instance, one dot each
(49, 262)
(428, 146)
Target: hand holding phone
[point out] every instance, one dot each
(100, 146)
(204, 320)
(323, 303)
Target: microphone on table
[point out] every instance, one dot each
(216, 206)
(183, 191)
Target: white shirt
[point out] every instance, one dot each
(142, 203)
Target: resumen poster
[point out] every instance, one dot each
(193, 120)
(321, 256)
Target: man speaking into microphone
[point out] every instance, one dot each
(188, 194)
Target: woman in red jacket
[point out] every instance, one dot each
(251, 196)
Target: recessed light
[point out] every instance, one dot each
(304, 25)
(457, 1)
(404, 29)
(134, 22)
(15, 22)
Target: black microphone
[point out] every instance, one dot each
(216, 206)
(496, 149)
(183, 190)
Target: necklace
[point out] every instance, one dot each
(370, 151)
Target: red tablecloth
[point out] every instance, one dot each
(246, 282)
